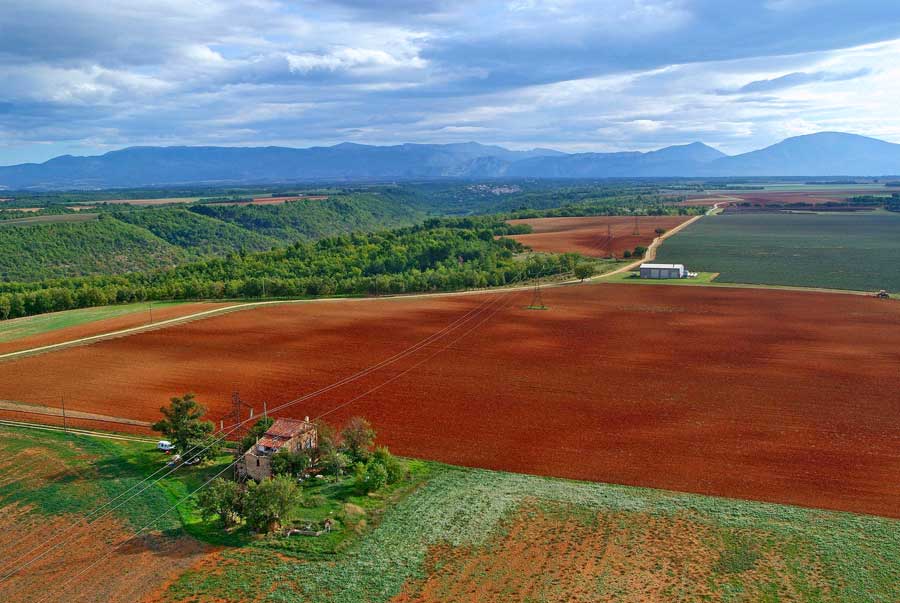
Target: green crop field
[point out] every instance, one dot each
(18, 328)
(448, 533)
(855, 252)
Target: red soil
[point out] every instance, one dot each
(784, 396)
(590, 236)
(107, 325)
(765, 198)
(71, 573)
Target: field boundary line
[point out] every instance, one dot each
(650, 254)
(51, 411)
(82, 432)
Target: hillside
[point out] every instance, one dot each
(196, 233)
(822, 154)
(314, 219)
(101, 246)
(138, 239)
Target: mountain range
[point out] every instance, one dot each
(822, 154)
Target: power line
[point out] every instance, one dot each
(195, 450)
(230, 465)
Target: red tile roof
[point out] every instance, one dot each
(283, 430)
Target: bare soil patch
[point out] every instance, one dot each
(578, 555)
(599, 236)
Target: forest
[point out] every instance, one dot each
(441, 254)
(59, 242)
(362, 240)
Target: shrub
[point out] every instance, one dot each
(392, 467)
(358, 437)
(334, 462)
(267, 503)
(222, 498)
(285, 462)
(370, 477)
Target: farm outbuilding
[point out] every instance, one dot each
(663, 271)
(284, 434)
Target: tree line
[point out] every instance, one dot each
(441, 254)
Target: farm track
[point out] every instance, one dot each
(82, 432)
(649, 256)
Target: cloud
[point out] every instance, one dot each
(82, 77)
(798, 78)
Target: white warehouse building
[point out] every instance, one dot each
(664, 271)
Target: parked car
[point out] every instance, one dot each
(165, 446)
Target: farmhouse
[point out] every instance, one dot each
(284, 434)
(664, 271)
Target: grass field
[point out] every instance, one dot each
(856, 252)
(448, 534)
(19, 328)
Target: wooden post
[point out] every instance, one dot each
(150, 307)
(265, 410)
(62, 400)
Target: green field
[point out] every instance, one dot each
(854, 252)
(449, 533)
(18, 328)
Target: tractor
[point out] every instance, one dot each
(882, 295)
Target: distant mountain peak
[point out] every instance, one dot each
(820, 154)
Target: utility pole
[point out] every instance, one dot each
(62, 400)
(150, 307)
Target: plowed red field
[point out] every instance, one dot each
(784, 396)
(590, 236)
(107, 325)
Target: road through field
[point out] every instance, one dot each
(20, 353)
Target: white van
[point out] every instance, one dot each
(165, 446)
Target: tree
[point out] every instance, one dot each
(639, 251)
(183, 425)
(627, 254)
(254, 433)
(358, 437)
(285, 462)
(334, 462)
(391, 465)
(267, 503)
(370, 477)
(222, 498)
(5, 307)
(660, 231)
(327, 437)
(584, 270)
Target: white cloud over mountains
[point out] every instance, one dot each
(85, 76)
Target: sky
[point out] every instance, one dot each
(85, 77)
